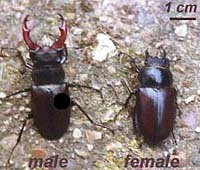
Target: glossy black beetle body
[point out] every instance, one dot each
(155, 107)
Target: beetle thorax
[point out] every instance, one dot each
(47, 56)
(155, 77)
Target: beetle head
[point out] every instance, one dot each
(161, 61)
(46, 54)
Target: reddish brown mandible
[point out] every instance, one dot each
(34, 46)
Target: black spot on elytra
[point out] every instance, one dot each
(61, 101)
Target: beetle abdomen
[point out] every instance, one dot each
(50, 121)
(156, 110)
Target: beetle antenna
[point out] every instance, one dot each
(87, 87)
(163, 53)
(18, 139)
(147, 54)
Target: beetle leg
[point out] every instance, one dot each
(19, 55)
(2, 54)
(129, 97)
(124, 106)
(66, 51)
(18, 92)
(133, 64)
(27, 65)
(19, 138)
(132, 61)
(163, 53)
(65, 55)
(87, 87)
(134, 119)
(174, 138)
(83, 111)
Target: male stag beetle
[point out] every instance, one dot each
(50, 99)
(155, 108)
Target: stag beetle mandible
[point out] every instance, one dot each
(50, 99)
(155, 108)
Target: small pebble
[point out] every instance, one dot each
(181, 30)
(18, 15)
(18, 96)
(21, 108)
(177, 67)
(77, 133)
(198, 92)
(108, 116)
(111, 70)
(11, 162)
(114, 146)
(166, 153)
(91, 136)
(2, 95)
(83, 77)
(197, 129)
(82, 153)
(6, 122)
(90, 147)
(104, 49)
(16, 116)
(32, 132)
(77, 31)
(190, 99)
(188, 120)
(37, 142)
(61, 140)
(27, 109)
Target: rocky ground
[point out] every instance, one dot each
(97, 32)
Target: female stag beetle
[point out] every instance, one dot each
(155, 108)
(50, 99)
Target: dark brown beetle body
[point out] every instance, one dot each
(155, 107)
(48, 80)
(50, 121)
(50, 98)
